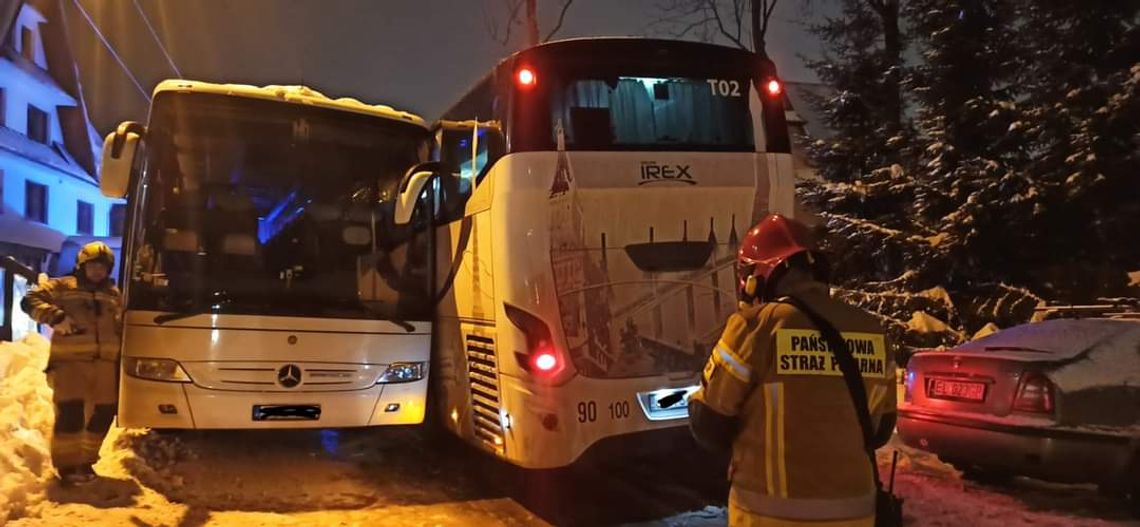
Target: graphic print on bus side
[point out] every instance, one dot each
(644, 274)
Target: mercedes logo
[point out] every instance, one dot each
(289, 375)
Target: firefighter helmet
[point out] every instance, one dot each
(95, 252)
(768, 249)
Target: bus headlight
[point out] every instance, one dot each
(402, 372)
(155, 369)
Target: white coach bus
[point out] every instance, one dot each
(592, 193)
(265, 284)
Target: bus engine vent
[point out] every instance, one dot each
(483, 373)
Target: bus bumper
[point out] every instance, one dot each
(553, 427)
(154, 404)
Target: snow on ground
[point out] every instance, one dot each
(936, 495)
(395, 477)
(269, 479)
(25, 425)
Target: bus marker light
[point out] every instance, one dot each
(392, 407)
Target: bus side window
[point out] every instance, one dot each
(457, 180)
(490, 149)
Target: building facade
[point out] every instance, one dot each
(49, 152)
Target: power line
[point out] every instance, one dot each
(110, 48)
(154, 34)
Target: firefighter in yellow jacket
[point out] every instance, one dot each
(84, 310)
(772, 393)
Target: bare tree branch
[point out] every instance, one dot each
(714, 7)
(738, 14)
(513, 8)
(561, 18)
(696, 24)
(743, 23)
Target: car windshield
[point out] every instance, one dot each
(263, 207)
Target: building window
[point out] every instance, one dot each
(28, 43)
(35, 202)
(37, 124)
(84, 218)
(118, 219)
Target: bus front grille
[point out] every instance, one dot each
(483, 379)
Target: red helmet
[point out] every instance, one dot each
(767, 248)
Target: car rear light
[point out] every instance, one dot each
(908, 385)
(1034, 394)
(541, 356)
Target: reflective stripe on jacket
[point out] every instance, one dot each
(799, 452)
(96, 310)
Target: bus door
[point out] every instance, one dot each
(466, 151)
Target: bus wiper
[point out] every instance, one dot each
(406, 326)
(193, 310)
(171, 317)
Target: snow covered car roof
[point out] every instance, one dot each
(1089, 353)
(1060, 338)
(291, 94)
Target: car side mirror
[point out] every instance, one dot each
(119, 150)
(411, 188)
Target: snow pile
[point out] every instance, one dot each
(26, 417)
(922, 322)
(987, 330)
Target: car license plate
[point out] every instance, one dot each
(961, 390)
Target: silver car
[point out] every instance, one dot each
(1057, 400)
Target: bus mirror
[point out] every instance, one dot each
(119, 150)
(409, 198)
(415, 180)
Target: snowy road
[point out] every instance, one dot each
(398, 477)
(390, 477)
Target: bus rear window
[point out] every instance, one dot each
(654, 113)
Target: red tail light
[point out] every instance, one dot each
(541, 357)
(1034, 394)
(774, 87)
(545, 361)
(526, 77)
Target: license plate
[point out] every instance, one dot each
(961, 390)
(669, 401)
(286, 412)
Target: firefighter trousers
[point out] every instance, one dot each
(740, 517)
(85, 392)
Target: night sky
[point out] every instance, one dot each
(416, 55)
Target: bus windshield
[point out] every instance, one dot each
(262, 207)
(626, 112)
